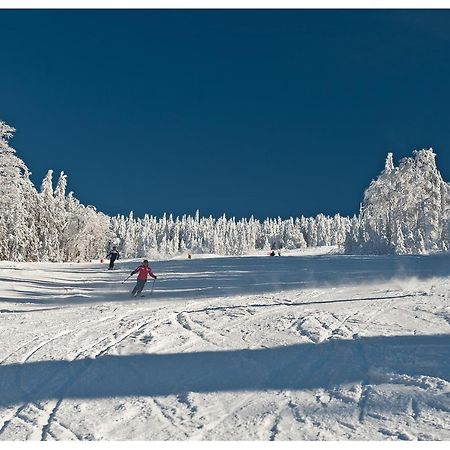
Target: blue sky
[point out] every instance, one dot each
(263, 112)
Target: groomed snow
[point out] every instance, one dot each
(298, 347)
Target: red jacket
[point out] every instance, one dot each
(143, 272)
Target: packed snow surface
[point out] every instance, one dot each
(316, 347)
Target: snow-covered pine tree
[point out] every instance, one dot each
(18, 204)
(49, 235)
(405, 209)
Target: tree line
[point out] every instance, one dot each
(404, 210)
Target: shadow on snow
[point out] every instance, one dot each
(291, 303)
(295, 367)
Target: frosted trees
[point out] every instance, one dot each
(53, 226)
(293, 236)
(432, 200)
(18, 204)
(47, 219)
(47, 187)
(44, 226)
(86, 232)
(405, 210)
(420, 202)
(137, 237)
(69, 231)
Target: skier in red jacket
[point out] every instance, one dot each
(143, 271)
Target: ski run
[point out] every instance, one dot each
(311, 345)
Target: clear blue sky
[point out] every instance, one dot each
(238, 112)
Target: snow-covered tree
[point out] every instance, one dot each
(44, 226)
(18, 204)
(405, 210)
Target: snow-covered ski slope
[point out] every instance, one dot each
(312, 347)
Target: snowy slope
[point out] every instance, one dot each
(317, 347)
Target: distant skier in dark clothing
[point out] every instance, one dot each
(112, 255)
(143, 271)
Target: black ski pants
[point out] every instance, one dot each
(139, 286)
(112, 260)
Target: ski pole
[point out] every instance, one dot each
(153, 285)
(126, 279)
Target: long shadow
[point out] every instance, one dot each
(288, 303)
(24, 311)
(294, 367)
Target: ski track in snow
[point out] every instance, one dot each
(319, 371)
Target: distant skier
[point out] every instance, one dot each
(112, 255)
(143, 271)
